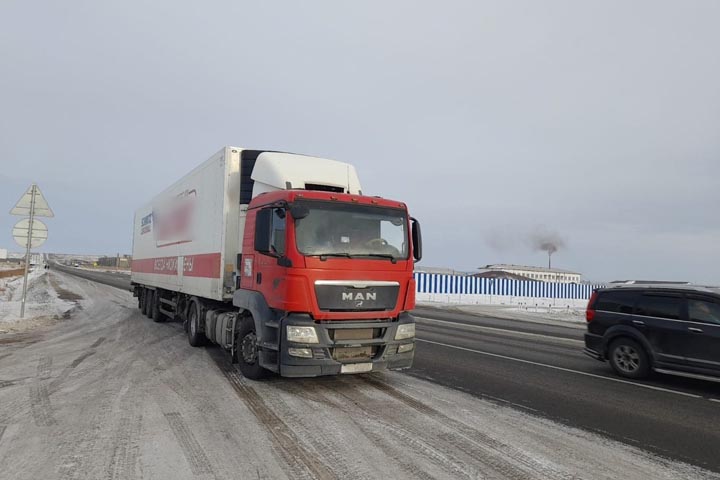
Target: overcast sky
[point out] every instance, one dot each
(597, 122)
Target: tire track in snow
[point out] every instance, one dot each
(194, 453)
(44, 368)
(505, 458)
(40, 406)
(343, 465)
(125, 449)
(305, 390)
(301, 462)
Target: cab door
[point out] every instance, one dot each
(270, 259)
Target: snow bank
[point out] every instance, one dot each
(532, 313)
(42, 305)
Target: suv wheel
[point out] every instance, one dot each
(628, 358)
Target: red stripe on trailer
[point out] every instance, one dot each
(205, 265)
(160, 265)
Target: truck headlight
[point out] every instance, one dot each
(406, 330)
(302, 334)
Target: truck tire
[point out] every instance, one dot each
(155, 313)
(247, 350)
(195, 336)
(141, 298)
(148, 301)
(628, 358)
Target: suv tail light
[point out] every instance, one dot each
(590, 312)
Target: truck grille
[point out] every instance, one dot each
(350, 296)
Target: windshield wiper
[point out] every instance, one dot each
(324, 256)
(379, 255)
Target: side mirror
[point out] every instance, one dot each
(416, 240)
(299, 211)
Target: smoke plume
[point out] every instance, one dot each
(546, 240)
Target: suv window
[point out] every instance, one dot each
(662, 306)
(703, 311)
(618, 302)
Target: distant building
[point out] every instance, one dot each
(439, 270)
(501, 274)
(3, 254)
(122, 261)
(542, 274)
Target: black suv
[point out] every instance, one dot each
(673, 329)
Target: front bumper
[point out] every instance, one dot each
(384, 347)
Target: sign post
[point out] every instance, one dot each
(29, 232)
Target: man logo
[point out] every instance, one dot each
(350, 296)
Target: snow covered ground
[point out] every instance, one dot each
(111, 394)
(565, 315)
(44, 304)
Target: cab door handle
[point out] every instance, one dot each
(695, 330)
(639, 323)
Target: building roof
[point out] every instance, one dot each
(527, 268)
(501, 274)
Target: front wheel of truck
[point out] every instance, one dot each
(247, 350)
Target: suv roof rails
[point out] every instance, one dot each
(684, 286)
(648, 282)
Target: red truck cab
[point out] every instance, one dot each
(332, 276)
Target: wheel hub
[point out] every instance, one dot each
(627, 358)
(248, 347)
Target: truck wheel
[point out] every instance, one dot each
(148, 301)
(628, 358)
(141, 298)
(247, 350)
(155, 313)
(195, 336)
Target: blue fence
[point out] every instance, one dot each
(433, 283)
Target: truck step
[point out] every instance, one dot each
(168, 302)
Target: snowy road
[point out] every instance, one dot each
(110, 394)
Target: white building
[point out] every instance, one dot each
(3, 253)
(542, 274)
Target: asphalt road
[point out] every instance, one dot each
(540, 368)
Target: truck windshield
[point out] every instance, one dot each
(351, 230)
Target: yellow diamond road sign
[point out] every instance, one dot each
(22, 207)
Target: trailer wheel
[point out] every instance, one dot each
(195, 336)
(148, 301)
(155, 313)
(141, 298)
(247, 350)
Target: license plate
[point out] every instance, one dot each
(356, 368)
